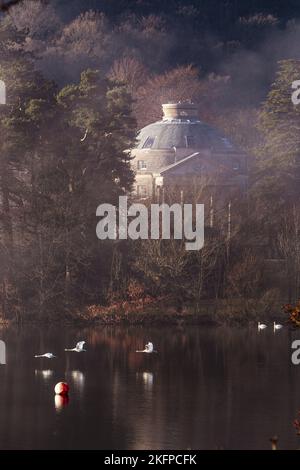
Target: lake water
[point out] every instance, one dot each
(207, 388)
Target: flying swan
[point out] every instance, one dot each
(148, 349)
(78, 347)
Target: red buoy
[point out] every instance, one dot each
(62, 388)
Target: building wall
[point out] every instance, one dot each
(158, 159)
(154, 159)
(144, 184)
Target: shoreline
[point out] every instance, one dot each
(146, 318)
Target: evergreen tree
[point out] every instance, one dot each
(80, 161)
(278, 159)
(23, 83)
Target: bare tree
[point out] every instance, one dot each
(179, 84)
(289, 245)
(84, 43)
(130, 71)
(88, 34)
(35, 17)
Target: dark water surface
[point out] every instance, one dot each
(207, 388)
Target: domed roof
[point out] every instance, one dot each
(182, 133)
(181, 128)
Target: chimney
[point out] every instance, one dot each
(180, 111)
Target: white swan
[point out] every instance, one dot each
(277, 326)
(78, 347)
(149, 348)
(47, 355)
(261, 326)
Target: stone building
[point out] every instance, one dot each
(180, 145)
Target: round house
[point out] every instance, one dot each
(181, 145)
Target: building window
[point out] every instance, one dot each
(148, 143)
(142, 191)
(189, 141)
(141, 165)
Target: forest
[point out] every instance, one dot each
(82, 78)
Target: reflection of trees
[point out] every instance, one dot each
(211, 388)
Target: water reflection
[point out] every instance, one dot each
(78, 379)
(44, 374)
(207, 388)
(60, 401)
(147, 379)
